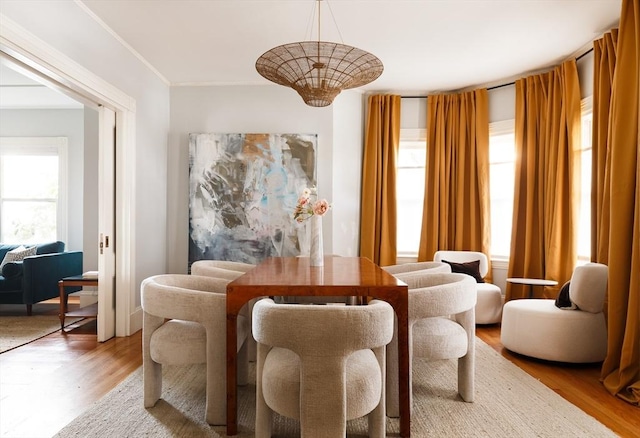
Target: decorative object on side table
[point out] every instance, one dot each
(310, 207)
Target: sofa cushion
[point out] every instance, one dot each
(469, 268)
(5, 248)
(50, 248)
(11, 269)
(10, 284)
(17, 254)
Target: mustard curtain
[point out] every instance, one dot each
(378, 202)
(604, 64)
(621, 368)
(546, 198)
(456, 202)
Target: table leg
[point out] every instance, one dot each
(403, 369)
(530, 291)
(232, 359)
(63, 304)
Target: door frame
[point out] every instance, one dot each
(67, 76)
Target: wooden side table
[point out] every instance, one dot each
(90, 311)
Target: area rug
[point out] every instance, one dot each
(16, 331)
(509, 403)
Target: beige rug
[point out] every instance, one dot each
(20, 330)
(509, 403)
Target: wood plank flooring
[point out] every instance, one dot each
(47, 383)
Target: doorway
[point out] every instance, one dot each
(111, 320)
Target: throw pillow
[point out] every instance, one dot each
(469, 268)
(563, 301)
(17, 254)
(11, 269)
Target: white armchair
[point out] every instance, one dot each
(220, 268)
(321, 365)
(537, 328)
(490, 298)
(431, 267)
(184, 322)
(441, 326)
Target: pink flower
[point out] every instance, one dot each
(302, 201)
(320, 207)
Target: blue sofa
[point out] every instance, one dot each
(35, 278)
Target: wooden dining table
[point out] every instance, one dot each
(340, 276)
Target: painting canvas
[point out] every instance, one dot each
(243, 189)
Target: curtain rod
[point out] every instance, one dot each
(501, 85)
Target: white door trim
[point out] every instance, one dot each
(69, 77)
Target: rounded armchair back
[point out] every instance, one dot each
(312, 330)
(439, 294)
(182, 296)
(432, 267)
(220, 269)
(588, 287)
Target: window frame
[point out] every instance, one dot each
(586, 109)
(44, 146)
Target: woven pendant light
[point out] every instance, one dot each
(319, 70)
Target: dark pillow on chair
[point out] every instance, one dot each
(563, 301)
(11, 269)
(469, 268)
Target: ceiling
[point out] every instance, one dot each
(18, 91)
(426, 46)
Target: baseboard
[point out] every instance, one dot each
(135, 321)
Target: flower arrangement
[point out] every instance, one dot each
(306, 208)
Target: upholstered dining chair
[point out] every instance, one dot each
(184, 322)
(490, 298)
(432, 267)
(220, 268)
(538, 328)
(228, 270)
(441, 326)
(321, 365)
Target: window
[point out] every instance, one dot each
(584, 218)
(410, 188)
(501, 186)
(412, 157)
(32, 189)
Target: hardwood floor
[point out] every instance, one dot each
(47, 383)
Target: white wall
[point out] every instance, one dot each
(90, 183)
(56, 123)
(65, 26)
(349, 111)
(265, 109)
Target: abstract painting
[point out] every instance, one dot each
(243, 189)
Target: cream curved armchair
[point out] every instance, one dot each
(432, 267)
(490, 298)
(321, 365)
(220, 268)
(441, 326)
(184, 322)
(537, 328)
(228, 270)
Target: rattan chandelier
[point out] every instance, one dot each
(319, 70)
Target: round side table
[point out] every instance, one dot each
(531, 282)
